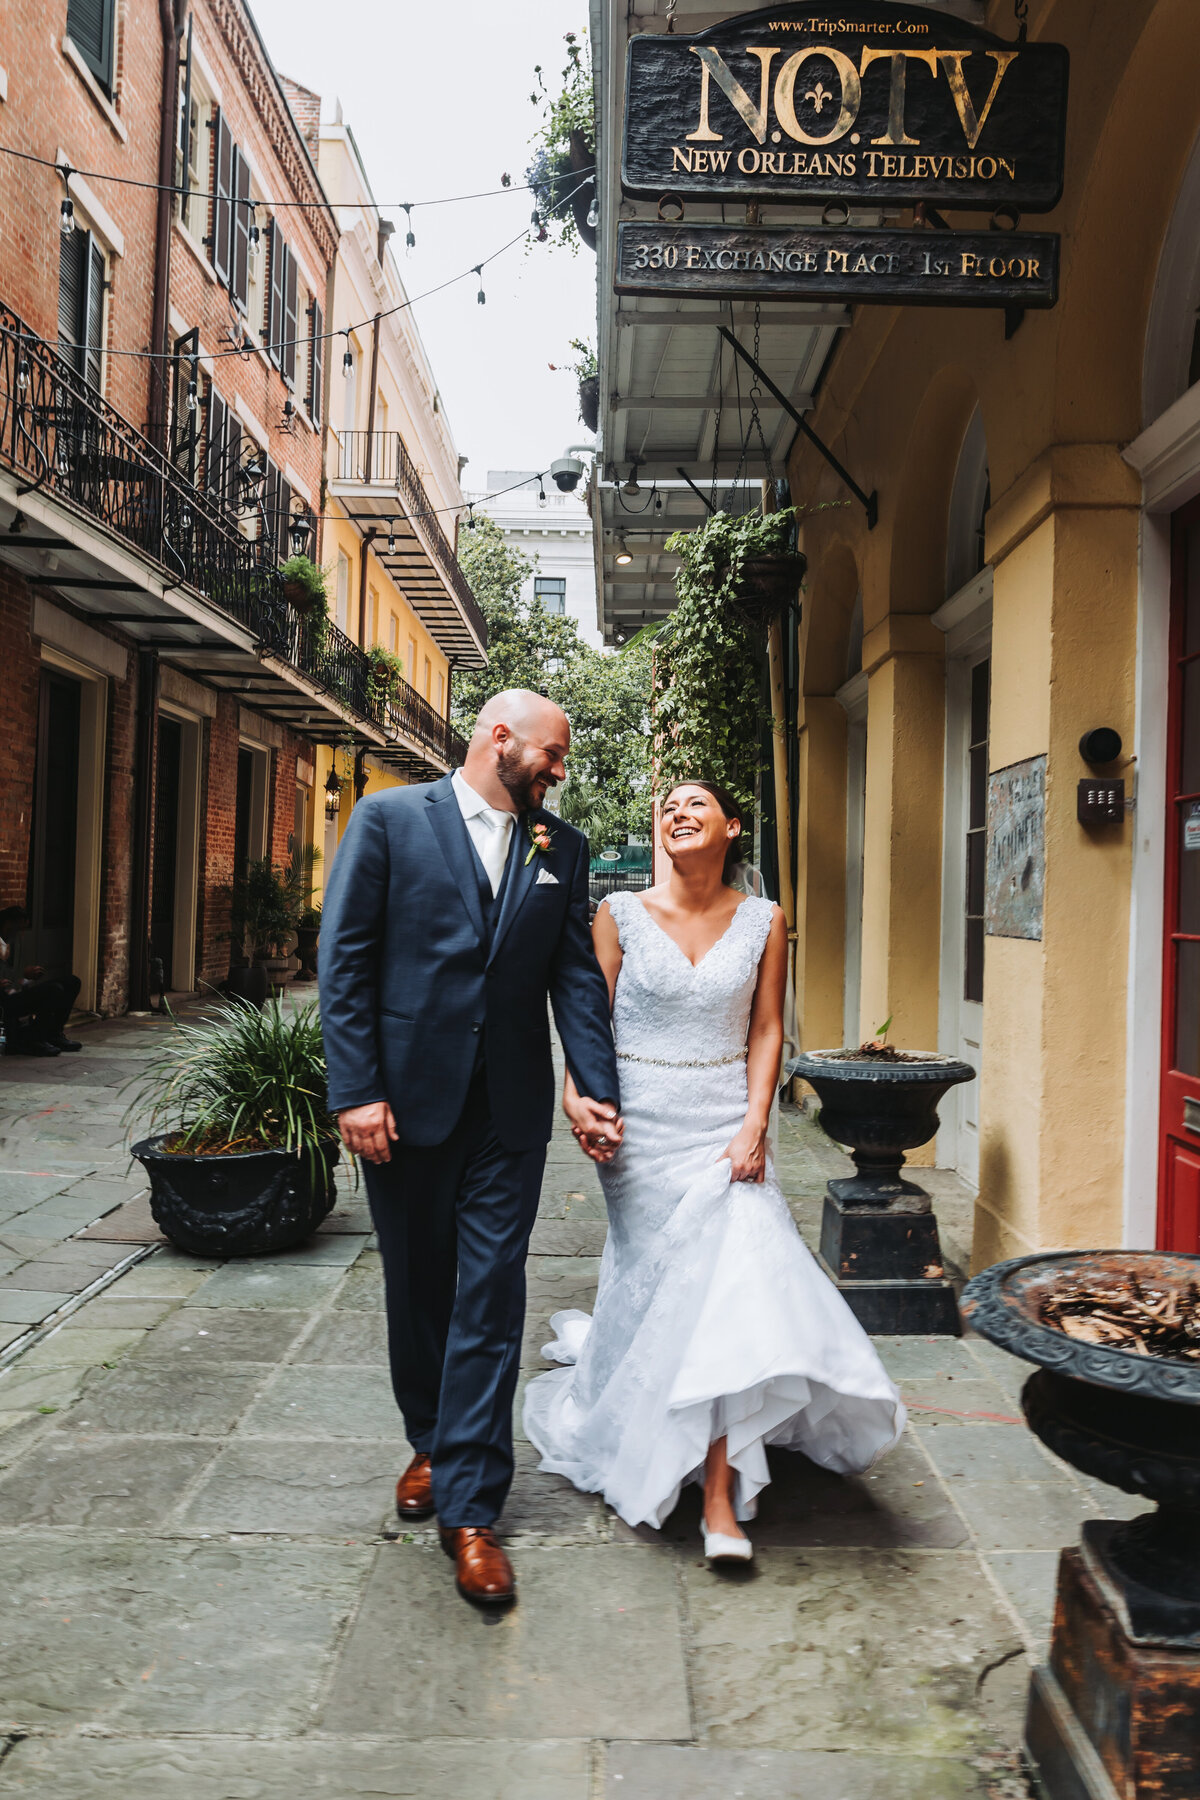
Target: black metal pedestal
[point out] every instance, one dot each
(886, 1262)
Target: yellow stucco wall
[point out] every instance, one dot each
(1058, 402)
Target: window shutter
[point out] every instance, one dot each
(291, 321)
(90, 28)
(316, 364)
(233, 463)
(93, 315)
(185, 129)
(72, 293)
(219, 246)
(214, 452)
(275, 302)
(283, 548)
(239, 271)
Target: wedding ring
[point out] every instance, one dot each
(603, 1142)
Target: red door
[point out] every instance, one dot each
(1179, 1164)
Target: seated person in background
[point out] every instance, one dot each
(35, 1010)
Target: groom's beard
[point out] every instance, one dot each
(526, 786)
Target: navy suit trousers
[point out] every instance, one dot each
(454, 1221)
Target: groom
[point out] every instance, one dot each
(452, 911)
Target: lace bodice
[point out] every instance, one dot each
(664, 1010)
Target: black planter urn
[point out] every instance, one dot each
(244, 1205)
(769, 584)
(1116, 1711)
(879, 1236)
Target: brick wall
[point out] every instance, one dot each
(218, 801)
(306, 110)
(52, 108)
(261, 123)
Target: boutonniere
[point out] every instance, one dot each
(540, 837)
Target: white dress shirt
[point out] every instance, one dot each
(489, 829)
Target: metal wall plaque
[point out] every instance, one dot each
(881, 103)
(887, 268)
(1016, 849)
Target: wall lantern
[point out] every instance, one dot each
(333, 795)
(300, 531)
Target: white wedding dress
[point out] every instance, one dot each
(712, 1319)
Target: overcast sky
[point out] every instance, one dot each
(437, 97)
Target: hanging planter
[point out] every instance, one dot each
(769, 584)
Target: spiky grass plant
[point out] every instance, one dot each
(245, 1079)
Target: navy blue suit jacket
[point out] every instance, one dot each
(409, 983)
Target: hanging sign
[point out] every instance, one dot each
(883, 104)
(886, 268)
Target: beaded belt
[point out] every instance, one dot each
(659, 1062)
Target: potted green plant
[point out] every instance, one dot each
(243, 1148)
(386, 673)
(267, 904)
(587, 373)
(562, 174)
(304, 588)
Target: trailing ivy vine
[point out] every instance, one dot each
(708, 715)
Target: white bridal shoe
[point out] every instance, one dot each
(719, 1547)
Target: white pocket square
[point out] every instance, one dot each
(546, 879)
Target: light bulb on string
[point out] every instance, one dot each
(541, 492)
(593, 217)
(391, 537)
(22, 374)
(348, 359)
(658, 501)
(192, 395)
(409, 239)
(253, 230)
(481, 297)
(66, 216)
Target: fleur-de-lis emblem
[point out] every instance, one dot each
(819, 95)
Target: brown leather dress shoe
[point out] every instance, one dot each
(482, 1571)
(414, 1490)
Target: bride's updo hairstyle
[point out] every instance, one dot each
(731, 810)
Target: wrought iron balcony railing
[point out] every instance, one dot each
(380, 459)
(409, 712)
(63, 439)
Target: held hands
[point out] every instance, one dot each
(597, 1125)
(747, 1153)
(369, 1131)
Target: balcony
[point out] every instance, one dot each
(92, 511)
(379, 487)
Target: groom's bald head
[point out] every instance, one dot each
(517, 749)
(527, 715)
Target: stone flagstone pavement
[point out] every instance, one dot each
(206, 1597)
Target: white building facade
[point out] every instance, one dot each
(558, 534)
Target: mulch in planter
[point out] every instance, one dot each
(1131, 1315)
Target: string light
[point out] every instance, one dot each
(177, 188)
(192, 392)
(348, 358)
(477, 269)
(391, 537)
(541, 492)
(593, 217)
(22, 373)
(409, 238)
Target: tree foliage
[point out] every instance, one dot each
(606, 697)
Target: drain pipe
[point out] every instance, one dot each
(146, 734)
(171, 15)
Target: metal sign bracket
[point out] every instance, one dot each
(869, 502)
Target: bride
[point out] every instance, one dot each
(715, 1334)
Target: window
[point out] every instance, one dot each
(551, 590)
(90, 27)
(394, 635)
(191, 149)
(229, 246)
(222, 452)
(185, 422)
(81, 272)
(277, 508)
(343, 589)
